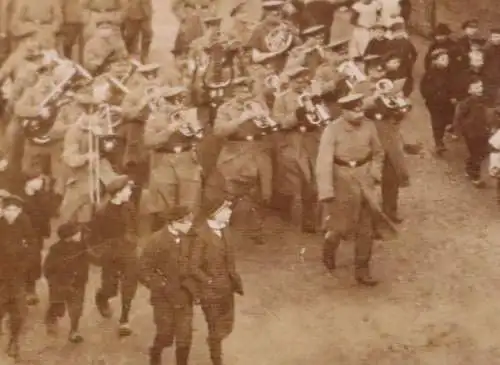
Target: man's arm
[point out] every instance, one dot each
(325, 164)
(377, 153)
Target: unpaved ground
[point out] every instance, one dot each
(438, 303)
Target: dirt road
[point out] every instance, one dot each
(438, 302)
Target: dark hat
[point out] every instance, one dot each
(442, 30)
(391, 56)
(338, 44)
(351, 101)
(372, 58)
(117, 184)
(212, 203)
(495, 30)
(176, 213)
(313, 31)
(272, 4)
(471, 23)
(213, 20)
(67, 230)
(13, 200)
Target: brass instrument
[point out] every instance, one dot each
(187, 119)
(262, 120)
(395, 104)
(273, 82)
(316, 113)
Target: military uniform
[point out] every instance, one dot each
(164, 270)
(296, 150)
(101, 51)
(349, 163)
(213, 266)
(175, 171)
(138, 22)
(43, 17)
(96, 11)
(245, 160)
(72, 28)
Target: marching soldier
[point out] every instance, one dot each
(296, 151)
(104, 48)
(96, 11)
(15, 245)
(72, 28)
(138, 23)
(164, 270)
(245, 160)
(82, 158)
(66, 268)
(349, 163)
(175, 171)
(213, 266)
(115, 238)
(43, 17)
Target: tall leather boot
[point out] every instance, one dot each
(182, 355)
(216, 352)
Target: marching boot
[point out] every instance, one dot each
(363, 277)
(216, 352)
(124, 329)
(13, 350)
(182, 355)
(103, 306)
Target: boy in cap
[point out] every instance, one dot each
(37, 197)
(296, 146)
(15, 248)
(437, 90)
(115, 235)
(213, 266)
(66, 268)
(349, 163)
(245, 160)
(469, 40)
(164, 270)
(472, 122)
(378, 44)
(441, 40)
(364, 15)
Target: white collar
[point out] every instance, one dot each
(174, 232)
(215, 225)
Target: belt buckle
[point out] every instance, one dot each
(177, 149)
(249, 138)
(353, 164)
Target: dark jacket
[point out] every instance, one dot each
(463, 80)
(492, 71)
(213, 264)
(464, 46)
(406, 52)
(436, 88)
(378, 47)
(16, 244)
(38, 208)
(164, 268)
(471, 118)
(66, 265)
(449, 45)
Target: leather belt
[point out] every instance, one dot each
(174, 149)
(353, 163)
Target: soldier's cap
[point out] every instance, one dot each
(391, 56)
(351, 101)
(213, 20)
(117, 184)
(337, 44)
(313, 31)
(151, 67)
(171, 91)
(263, 57)
(379, 25)
(176, 213)
(438, 52)
(243, 81)
(471, 23)
(103, 23)
(495, 30)
(372, 58)
(272, 4)
(13, 200)
(442, 30)
(68, 230)
(296, 71)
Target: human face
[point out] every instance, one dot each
(393, 64)
(476, 89)
(495, 39)
(378, 33)
(354, 115)
(471, 31)
(11, 212)
(300, 82)
(77, 237)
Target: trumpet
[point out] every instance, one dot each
(262, 119)
(316, 113)
(394, 103)
(352, 73)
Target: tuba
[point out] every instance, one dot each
(390, 104)
(262, 120)
(315, 112)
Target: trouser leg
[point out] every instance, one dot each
(363, 242)
(75, 307)
(146, 39)
(129, 283)
(390, 189)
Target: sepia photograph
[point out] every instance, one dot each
(249, 182)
